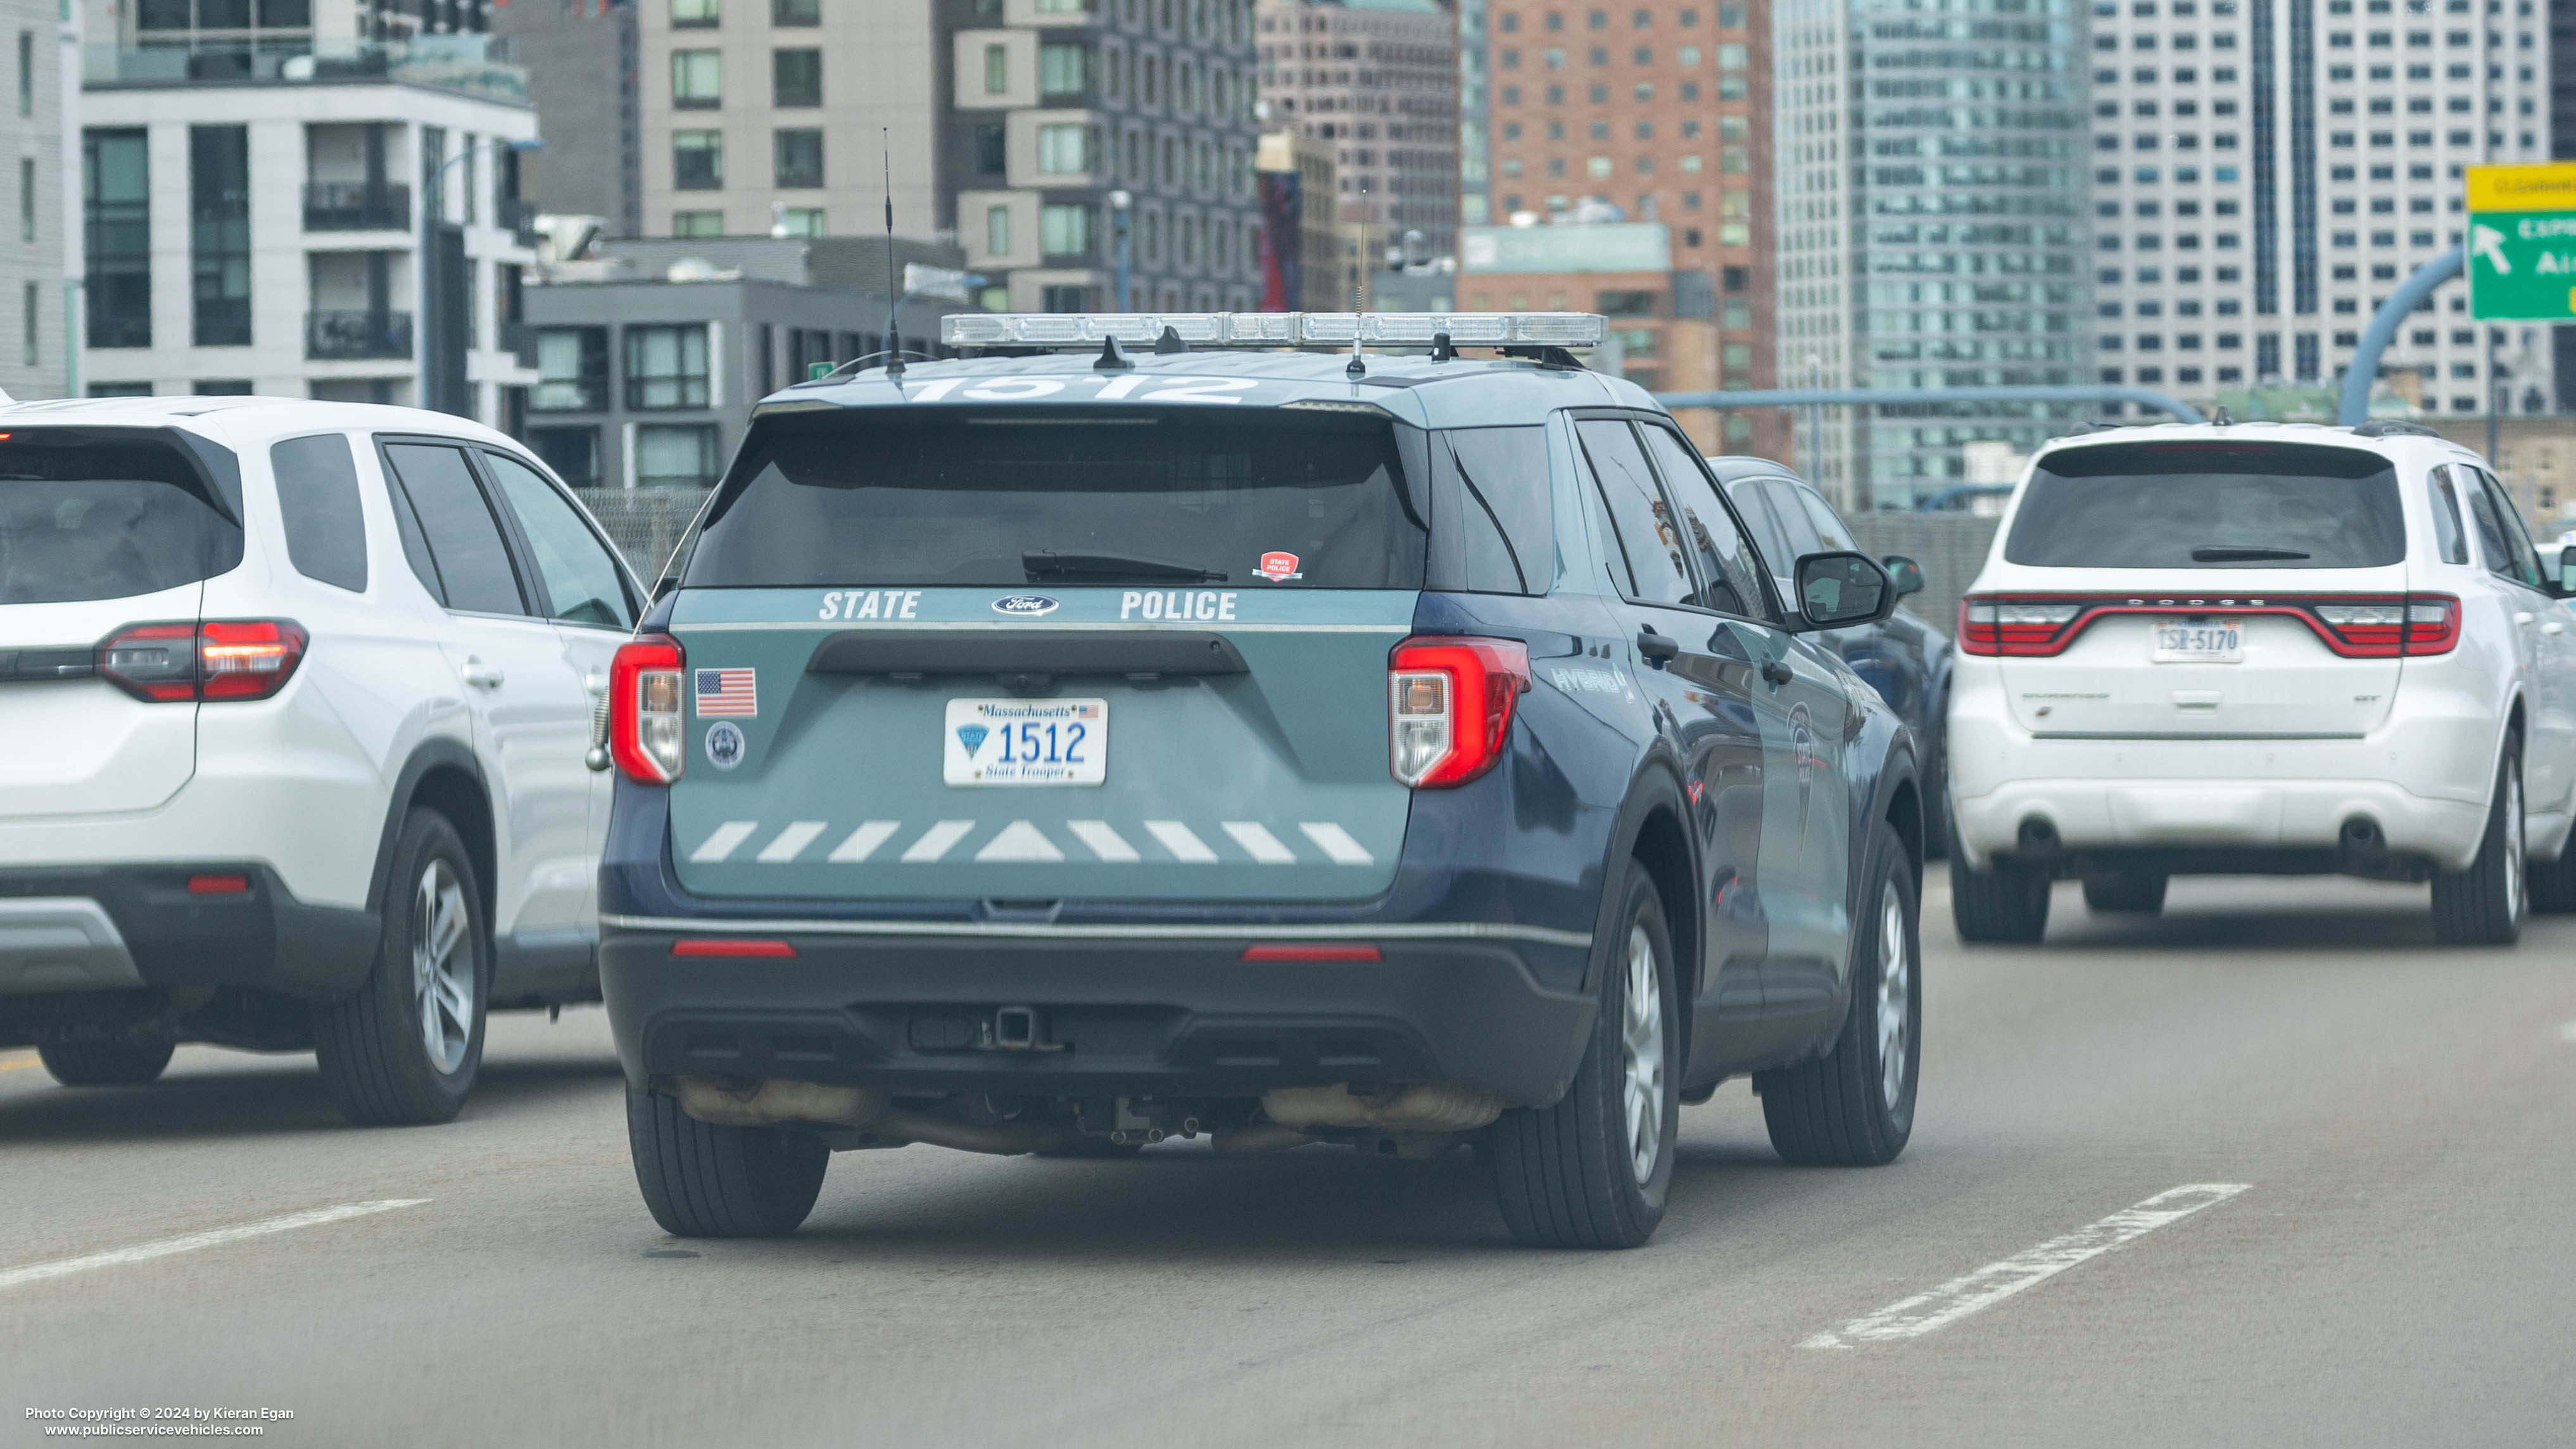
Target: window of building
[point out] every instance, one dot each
(697, 223)
(697, 79)
(697, 160)
(116, 189)
(27, 307)
(992, 155)
(219, 234)
(997, 231)
(690, 14)
(799, 158)
(26, 72)
(997, 70)
(675, 456)
(1063, 70)
(1064, 231)
(572, 370)
(795, 12)
(666, 367)
(796, 77)
(798, 221)
(27, 198)
(1065, 150)
(572, 452)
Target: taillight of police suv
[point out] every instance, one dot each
(2355, 626)
(644, 695)
(1449, 707)
(217, 660)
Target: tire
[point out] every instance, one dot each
(2484, 905)
(2004, 905)
(2125, 892)
(1936, 799)
(705, 1181)
(105, 1063)
(1586, 1173)
(431, 978)
(1854, 1106)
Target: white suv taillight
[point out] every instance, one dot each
(1449, 707)
(644, 699)
(216, 661)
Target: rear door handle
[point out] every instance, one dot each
(1777, 672)
(1656, 649)
(480, 674)
(2553, 627)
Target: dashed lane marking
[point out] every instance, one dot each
(1921, 1314)
(191, 1242)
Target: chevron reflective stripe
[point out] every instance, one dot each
(1025, 842)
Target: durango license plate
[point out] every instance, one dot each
(2199, 641)
(1026, 742)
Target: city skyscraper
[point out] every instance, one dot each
(1379, 79)
(2268, 171)
(1931, 204)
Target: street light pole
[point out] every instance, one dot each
(1119, 202)
(431, 339)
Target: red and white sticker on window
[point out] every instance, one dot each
(1277, 567)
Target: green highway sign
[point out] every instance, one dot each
(2522, 243)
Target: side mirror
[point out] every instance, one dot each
(2566, 588)
(1839, 590)
(1907, 573)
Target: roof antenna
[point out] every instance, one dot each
(1359, 300)
(1111, 359)
(894, 308)
(2223, 420)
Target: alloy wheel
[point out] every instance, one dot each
(442, 967)
(1895, 995)
(1642, 1033)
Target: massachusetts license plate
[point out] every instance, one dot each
(2199, 641)
(1026, 742)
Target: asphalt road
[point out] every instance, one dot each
(2399, 1268)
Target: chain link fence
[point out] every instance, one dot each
(645, 523)
(1950, 546)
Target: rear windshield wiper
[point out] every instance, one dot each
(1044, 564)
(2241, 553)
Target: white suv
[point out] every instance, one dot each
(297, 696)
(2262, 648)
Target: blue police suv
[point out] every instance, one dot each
(1065, 749)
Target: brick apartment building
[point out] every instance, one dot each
(1660, 109)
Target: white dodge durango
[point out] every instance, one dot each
(2268, 649)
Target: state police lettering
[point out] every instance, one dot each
(1212, 604)
(870, 604)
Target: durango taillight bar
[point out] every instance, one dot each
(646, 735)
(1449, 707)
(217, 660)
(2355, 626)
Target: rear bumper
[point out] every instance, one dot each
(2234, 822)
(73, 929)
(1130, 1014)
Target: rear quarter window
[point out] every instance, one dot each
(317, 500)
(83, 518)
(1493, 529)
(958, 497)
(2209, 505)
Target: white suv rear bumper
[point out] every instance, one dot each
(2423, 778)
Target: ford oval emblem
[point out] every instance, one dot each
(1027, 606)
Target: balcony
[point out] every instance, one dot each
(357, 336)
(356, 206)
(472, 65)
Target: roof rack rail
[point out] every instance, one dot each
(1088, 330)
(2393, 428)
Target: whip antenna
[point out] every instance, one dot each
(894, 309)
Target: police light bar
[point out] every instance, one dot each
(1274, 329)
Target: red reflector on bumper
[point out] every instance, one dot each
(218, 885)
(1333, 951)
(729, 946)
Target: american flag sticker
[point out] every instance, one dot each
(727, 692)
